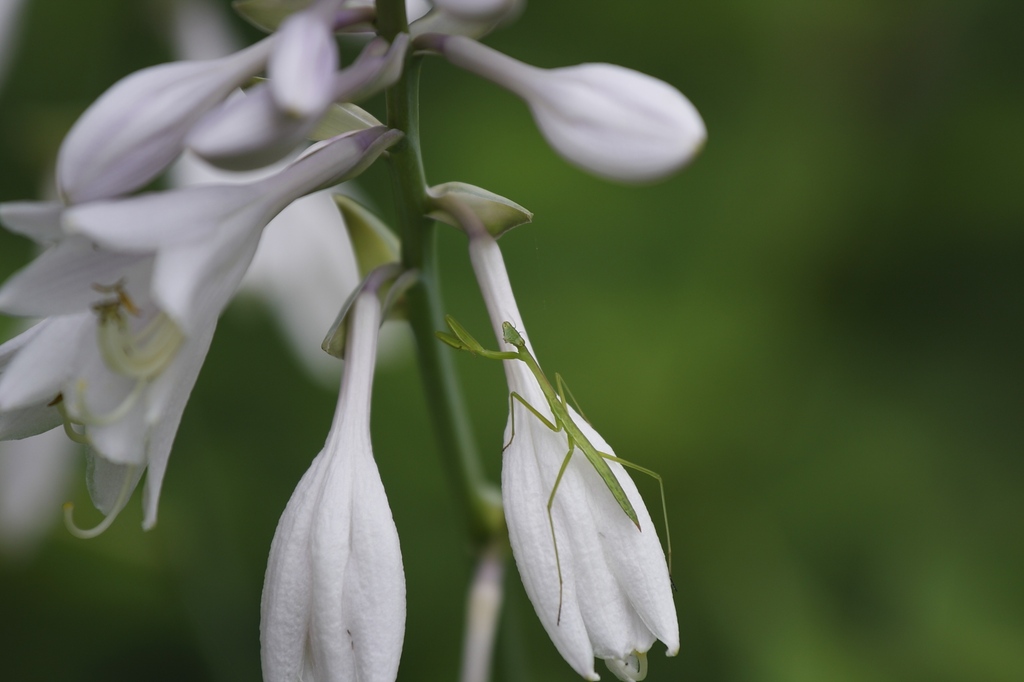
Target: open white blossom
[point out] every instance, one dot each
(334, 595)
(132, 299)
(616, 596)
(612, 121)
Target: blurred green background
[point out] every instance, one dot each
(814, 333)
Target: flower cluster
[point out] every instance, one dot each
(129, 286)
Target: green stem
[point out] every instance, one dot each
(479, 499)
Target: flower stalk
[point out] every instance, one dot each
(479, 499)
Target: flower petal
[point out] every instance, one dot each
(301, 68)
(166, 402)
(249, 131)
(137, 127)
(37, 220)
(38, 371)
(69, 278)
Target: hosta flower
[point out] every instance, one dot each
(615, 596)
(612, 121)
(334, 595)
(132, 299)
(137, 127)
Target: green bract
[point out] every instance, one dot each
(498, 214)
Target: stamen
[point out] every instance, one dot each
(141, 355)
(89, 418)
(119, 504)
(69, 423)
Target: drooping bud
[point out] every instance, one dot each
(617, 123)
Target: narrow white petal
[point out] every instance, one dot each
(288, 586)
(170, 394)
(106, 480)
(64, 279)
(37, 220)
(38, 371)
(28, 421)
(148, 222)
(529, 467)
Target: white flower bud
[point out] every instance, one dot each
(137, 127)
(334, 596)
(301, 68)
(612, 121)
(612, 597)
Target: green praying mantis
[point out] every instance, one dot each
(562, 420)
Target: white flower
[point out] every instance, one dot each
(203, 238)
(612, 121)
(132, 302)
(137, 127)
(616, 596)
(334, 596)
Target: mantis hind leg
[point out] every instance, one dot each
(563, 390)
(531, 408)
(551, 524)
(664, 508)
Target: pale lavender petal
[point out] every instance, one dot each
(68, 278)
(180, 379)
(38, 371)
(249, 131)
(305, 57)
(37, 220)
(135, 129)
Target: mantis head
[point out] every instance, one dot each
(509, 333)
